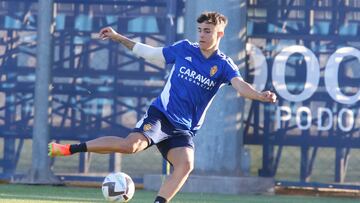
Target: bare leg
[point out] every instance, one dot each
(133, 143)
(182, 159)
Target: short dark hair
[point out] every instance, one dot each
(214, 18)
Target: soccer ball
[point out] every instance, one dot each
(118, 187)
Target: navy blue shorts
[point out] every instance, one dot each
(160, 132)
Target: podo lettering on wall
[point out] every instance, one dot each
(303, 116)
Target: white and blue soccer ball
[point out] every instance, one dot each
(118, 187)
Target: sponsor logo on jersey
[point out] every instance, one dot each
(213, 70)
(188, 58)
(196, 78)
(147, 127)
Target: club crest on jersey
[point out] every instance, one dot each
(213, 70)
(147, 127)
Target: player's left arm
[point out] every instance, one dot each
(247, 91)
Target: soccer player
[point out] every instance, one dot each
(172, 120)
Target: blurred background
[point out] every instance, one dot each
(306, 51)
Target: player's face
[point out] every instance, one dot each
(208, 36)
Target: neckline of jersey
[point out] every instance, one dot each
(215, 53)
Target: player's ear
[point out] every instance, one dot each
(220, 30)
(220, 34)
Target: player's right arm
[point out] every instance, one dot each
(142, 50)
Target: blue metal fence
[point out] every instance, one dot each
(310, 52)
(98, 87)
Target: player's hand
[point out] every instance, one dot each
(107, 33)
(269, 96)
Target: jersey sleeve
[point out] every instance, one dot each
(170, 52)
(231, 71)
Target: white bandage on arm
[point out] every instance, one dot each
(148, 52)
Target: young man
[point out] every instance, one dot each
(171, 121)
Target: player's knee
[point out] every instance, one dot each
(130, 148)
(133, 145)
(190, 166)
(185, 167)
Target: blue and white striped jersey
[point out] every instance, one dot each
(192, 83)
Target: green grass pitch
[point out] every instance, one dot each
(40, 194)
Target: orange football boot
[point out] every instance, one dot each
(56, 149)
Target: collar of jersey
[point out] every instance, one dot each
(216, 53)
